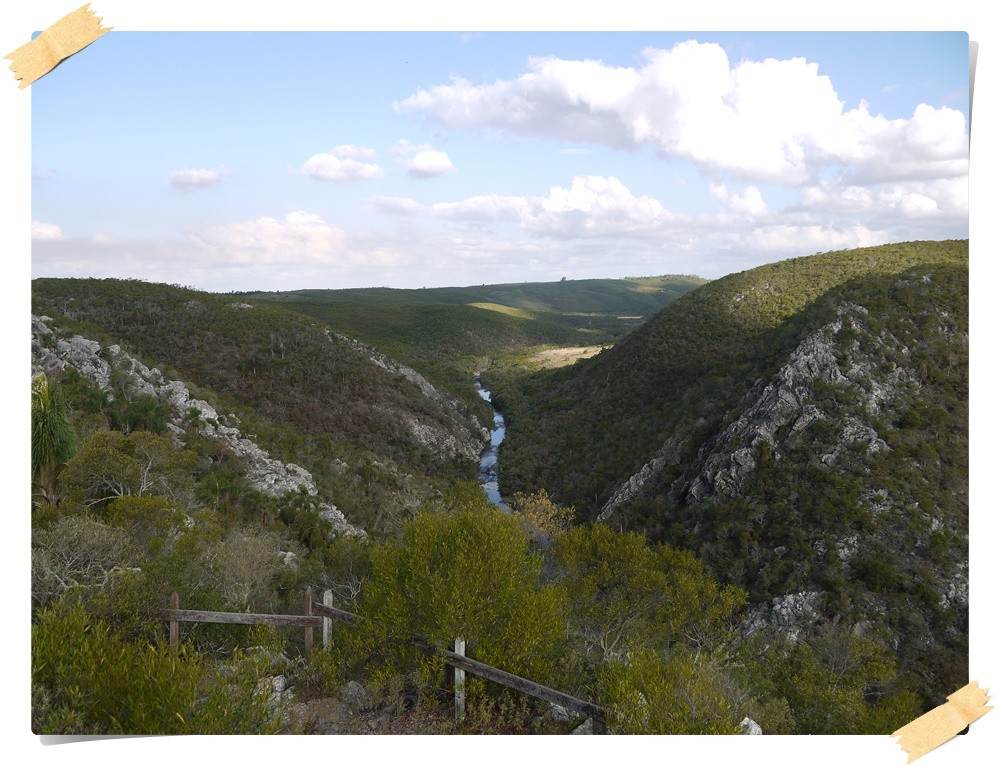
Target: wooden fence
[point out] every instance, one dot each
(321, 615)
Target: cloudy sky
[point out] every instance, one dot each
(237, 161)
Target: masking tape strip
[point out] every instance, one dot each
(943, 722)
(71, 34)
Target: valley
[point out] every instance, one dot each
(754, 489)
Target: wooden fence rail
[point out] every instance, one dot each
(175, 615)
(460, 662)
(319, 615)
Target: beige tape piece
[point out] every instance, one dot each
(942, 723)
(71, 34)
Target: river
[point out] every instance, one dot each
(488, 460)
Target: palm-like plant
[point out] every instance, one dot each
(53, 440)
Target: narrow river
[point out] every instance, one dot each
(488, 460)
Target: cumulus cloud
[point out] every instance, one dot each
(46, 232)
(343, 163)
(593, 206)
(195, 178)
(300, 237)
(769, 121)
(748, 202)
(422, 161)
(943, 201)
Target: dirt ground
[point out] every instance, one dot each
(329, 715)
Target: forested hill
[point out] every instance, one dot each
(312, 395)
(802, 426)
(641, 295)
(450, 333)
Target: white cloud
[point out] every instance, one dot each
(422, 161)
(593, 206)
(343, 164)
(773, 121)
(940, 202)
(195, 178)
(749, 202)
(46, 232)
(43, 174)
(299, 238)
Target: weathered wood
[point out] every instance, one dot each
(327, 621)
(242, 618)
(309, 631)
(175, 626)
(337, 614)
(459, 682)
(595, 712)
(512, 681)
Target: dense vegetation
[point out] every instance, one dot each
(451, 333)
(646, 615)
(861, 496)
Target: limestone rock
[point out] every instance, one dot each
(265, 474)
(789, 615)
(750, 726)
(355, 696)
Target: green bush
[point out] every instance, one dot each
(465, 569)
(86, 679)
(627, 595)
(676, 694)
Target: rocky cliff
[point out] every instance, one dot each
(269, 476)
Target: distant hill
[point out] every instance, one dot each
(641, 295)
(803, 426)
(449, 333)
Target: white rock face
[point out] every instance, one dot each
(465, 437)
(750, 726)
(265, 474)
(788, 615)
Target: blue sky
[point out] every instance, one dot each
(264, 160)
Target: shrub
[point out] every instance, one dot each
(626, 595)
(676, 694)
(465, 569)
(86, 679)
(76, 553)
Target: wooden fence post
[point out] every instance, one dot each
(459, 683)
(327, 622)
(309, 630)
(175, 626)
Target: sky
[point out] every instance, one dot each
(265, 160)
(222, 162)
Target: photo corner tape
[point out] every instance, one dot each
(71, 34)
(942, 723)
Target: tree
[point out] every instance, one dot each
(626, 595)
(53, 441)
(111, 465)
(464, 568)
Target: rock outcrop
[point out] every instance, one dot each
(788, 616)
(461, 436)
(271, 477)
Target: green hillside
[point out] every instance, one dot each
(450, 333)
(802, 426)
(641, 295)
(779, 459)
(312, 397)
(580, 431)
